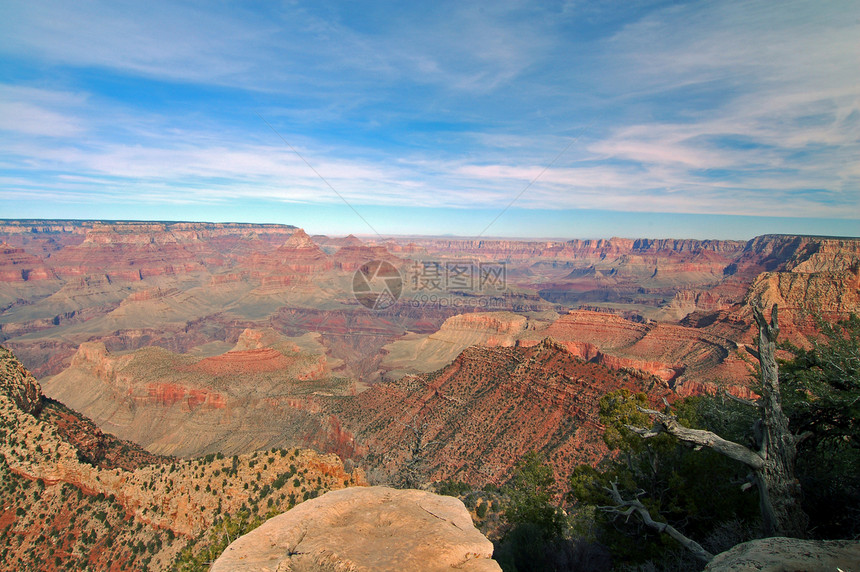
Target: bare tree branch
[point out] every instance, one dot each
(645, 433)
(741, 400)
(642, 511)
(669, 424)
(803, 437)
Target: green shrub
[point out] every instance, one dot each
(481, 510)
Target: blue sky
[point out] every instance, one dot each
(573, 119)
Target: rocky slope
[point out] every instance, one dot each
(642, 273)
(354, 253)
(211, 338)
(294, 262)
(122, 277)
(175, 285)
(63, 283)
(228, 402)
(75, 500)
(806, 276)
(16, 265)
(474, 419)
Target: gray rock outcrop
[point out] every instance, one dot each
(781, 554)
(363, 529)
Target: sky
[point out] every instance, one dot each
(557, 119)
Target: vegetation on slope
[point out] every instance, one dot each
(699, 493)
(696, 491)
(72, 500)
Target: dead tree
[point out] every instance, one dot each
(771, 462)
(413, 473)
(628, 507)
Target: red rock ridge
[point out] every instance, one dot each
(296, 261)
(488, 408)
(16, 265)
(134, 251)
(497, 322)
(247, 361)
(169, 394)
(350, 257)
(674, 353)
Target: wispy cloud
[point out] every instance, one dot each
(729, 107)
(31, 111)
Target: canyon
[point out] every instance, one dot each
(175, 356)
(196, 338)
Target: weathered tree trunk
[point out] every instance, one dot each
(773, 463)
(779, 490)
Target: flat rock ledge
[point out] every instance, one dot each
(363, 529)
(788, 554)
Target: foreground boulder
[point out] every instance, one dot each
(365, 528)
(780, 554)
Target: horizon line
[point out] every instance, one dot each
(408, 236)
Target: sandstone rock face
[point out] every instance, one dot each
(365, 528)
(780, 554)
(829, 293)
(131, 251)
(294, 262)
(349, 257)
(18, 266)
